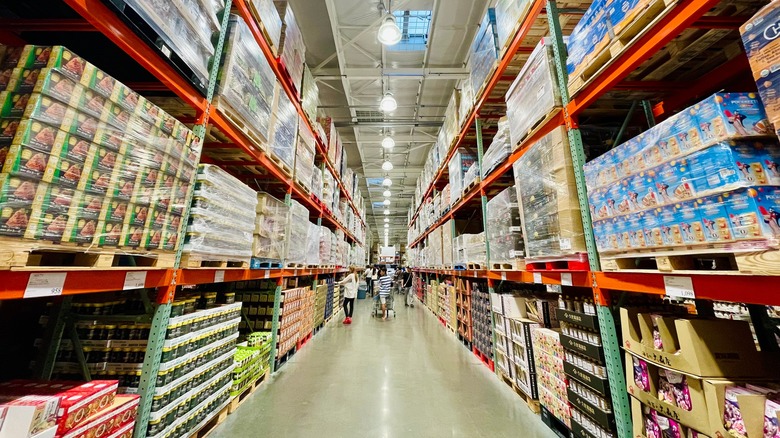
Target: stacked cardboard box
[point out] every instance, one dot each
(270, 228)
(482, 325)
(484, 50)
(305, 149)
(310, 95)
(284, 131)
(544, 179)
(297, 234)
(504, 228)
(509, 13)
(292, 50)
(708, 175)
(549, 359)
(458, 166)
(85, 160)
(499, 149)
(264, 11)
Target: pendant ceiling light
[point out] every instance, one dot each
(387, 212)
(387, 220)
(387, 194)
(387, 225)
(388, 103)
(388, 142)
(387, 202)
(387, 166)
(387, 182)
(389, 33)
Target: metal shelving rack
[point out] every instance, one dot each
(99, 16)
(683, 15)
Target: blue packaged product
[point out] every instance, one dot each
(636, 230)
(670, 226)
(595, 200)
(609, 236)
(673, 182)
(771, 159)
(621, 233)
(642, 191)
(759, 36)
(730, 165)
(589, 35)
(599, 236)
(754, 213)
(714, 219)
(633, 149)
(652, 228)
(667, 142)
(651, 154)
(691, 228)
(727, 116)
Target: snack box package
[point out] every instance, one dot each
(14, 189)
(49, 216)
(115, 210)
(636, 227)
(180, 196)
(652, 229)
(132, 235)
(52, 56)
(714, 219)
(108, 233)
(671, 235)
(8, 128)
(170, 239)
(13, 105)
(120, 412)
(26, 416)
(19, 80)
(152, 238)
(652, 155)
(760, 41)
(754, 213)
(673, 182)
(83, 217)
(100, 172)
(599, 234)
(589, 35)
(690, 223)
(730, 165)
(683, 136)
(728, 116)
(14, 218)
(137, 215)
(26, 162)
(126, 181)
(771, 160)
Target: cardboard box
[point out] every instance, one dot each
(121, 412)
(28, 416)
(761, 46)
(708, 348)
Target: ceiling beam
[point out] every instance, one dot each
(388, 124)
(416, 74)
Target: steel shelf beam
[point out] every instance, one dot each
(80, 280)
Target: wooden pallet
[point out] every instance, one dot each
(287, 170)
(469, 187)
(645, 17)
(536, 127)
(294, 265)
(212, 424)
(228, 112)
(303, 186)
(509, 265)
(699, 261)
(195, 261)
(475, 266)
(18, 254)
(258, 19)
(532, 403)
(572, 262)
(263, 263)
(244, 395)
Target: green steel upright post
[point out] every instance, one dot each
(278, 304)
(648, 109)
(610, 340)
(162, 310)
(52, 337)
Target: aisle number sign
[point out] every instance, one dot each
(49, 284)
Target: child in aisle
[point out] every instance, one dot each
(385, 283)
(350, 283)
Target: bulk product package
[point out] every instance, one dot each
(313, 245)
(222, 217)
(761, 46)
(246, 84)
(466, 101)
(534, 94)
(508, 15)
(505, 230)
(470, 177)
(316, 183)
(284, 132)
(292, 47)
(458, 166)
(271, 224)
(86, 160)
(484, 51)
(310, 95)
(498, 150)
(544, 179)
(297, 232)
(265, 12)
(706, 176)
(326, 255)
(548, 357)
(187, 27)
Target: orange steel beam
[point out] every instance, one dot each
(110, 25)
(682, 17)
(514, 47)
(83, 281)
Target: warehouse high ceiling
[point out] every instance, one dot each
(354, 70)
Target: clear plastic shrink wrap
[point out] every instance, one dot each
(313, 245)
(329, 189)
(186, 26)
(293, 49)
(434, 243)
(471, 175)
(246, 81)
(534, 93)
(326, 236)
(508, 14)
(310, 96)
(544, 179)
(504, 227)
(458, 166)
(706, 176)
(222, 216)
(499, 148)
(297, 232)
(265, 12)
(85, 159)
(466, 101)
(316, 182)
(304, 157)
(285, 130)
(484, 51)
(270, 227)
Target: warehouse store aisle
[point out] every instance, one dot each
(406, 377)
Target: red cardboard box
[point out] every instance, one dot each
(119, 414)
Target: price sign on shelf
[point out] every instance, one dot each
(538, 277)
(45, 284)
(219, 276)
(679, 287)
(503, 276)
(267, 273)
(134, 280)
(554, 288)
(566, 279)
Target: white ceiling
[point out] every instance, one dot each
(353, 69)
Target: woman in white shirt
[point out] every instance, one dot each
(350, 283)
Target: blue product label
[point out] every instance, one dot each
(714, 218)
(673, 182)
(635, 227)
(725, 116)
(652, 228)
(771, 159)
(641, 191)
(670, 226)
(691, 227)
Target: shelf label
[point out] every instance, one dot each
(48, 284)
(554, 288)
(503, 276)
(219, 276)
(134, 280)
(538, 277)
(267, 273)
(679, 287)
(566, 279)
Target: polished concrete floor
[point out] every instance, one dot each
(405, 377)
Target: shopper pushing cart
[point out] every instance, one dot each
(385, 301)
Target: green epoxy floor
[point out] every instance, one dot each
(407, 377)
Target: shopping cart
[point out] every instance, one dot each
(377, 310)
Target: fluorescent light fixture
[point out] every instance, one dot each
(389, 33)
(387, 225)
(387, 182)
(387, 202)
(388, 142)
(388, 103)
(387, 194)
(387, 166)
(387, 219)
(387, 212)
